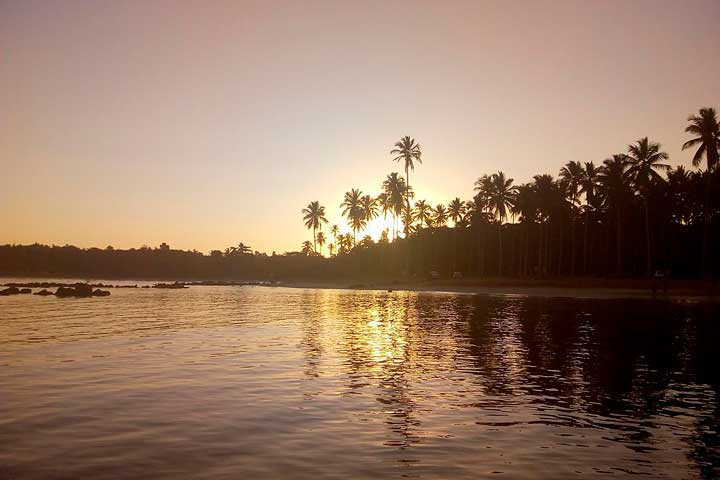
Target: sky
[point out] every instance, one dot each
(204, 124)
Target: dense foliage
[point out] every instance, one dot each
(631, 215)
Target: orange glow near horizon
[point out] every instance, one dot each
(205, 125)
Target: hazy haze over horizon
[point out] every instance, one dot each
(206, 124)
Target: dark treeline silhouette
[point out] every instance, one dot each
(628, 216)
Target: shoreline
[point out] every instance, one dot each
(551, 289)
(566, 287)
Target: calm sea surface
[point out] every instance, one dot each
(253, 382)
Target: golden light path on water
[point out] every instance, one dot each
(223, 382)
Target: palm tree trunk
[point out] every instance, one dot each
(704, 269)
(561, 248)
(585, 240)
(572, 242)
(648, 267)
(541, 231)
(314, 240)
(500, 249)
(618, 241)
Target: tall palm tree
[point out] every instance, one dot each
(645, 159)
(501, 199)
(407, 151)
(394, 189)
(706, 127)
(352, 209)
(456, 210)
(408, 219)
(570, 177)
(547, 193)
(526, 208)
(334, 230)
(588, 187)
(440, 216)
(423, 212)
(314, 217)
(369, 207)
(613, 182)
(320, 239)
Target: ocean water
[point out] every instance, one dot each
(254, 382)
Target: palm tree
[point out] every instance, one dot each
(440, 216)
(526, 207)
(352, 209)
(408, 219)
(320, 239)
(348, 240)
(456, 210)
(570, 177)
(546, 191)
(423, 212)
(588, 186)
(394, 189)
(334, 230)
(706, 127)
(331, 248)
(501, 198)
(645, 158)
(307, 248)
(314, 217)
(407, 151)
(369, 207)
(241, 249)
(613, 183)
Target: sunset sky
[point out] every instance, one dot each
(203, 124)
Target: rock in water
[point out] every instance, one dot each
(10, 291)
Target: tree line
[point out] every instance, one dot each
(631, 214)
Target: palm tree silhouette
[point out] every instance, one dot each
(501, 199)
(588, 186)
(706, 127)
(394, 189)
(307, 248)
(570, 177)
(546, 191)
(369, 207)
(645, 158)
(423, 212)
(613, 181)
(456, 210)
(241, 249)
(320, 239)
(314, 217)
(352, 209)
(456, 213)
(334, 231)
(526, 207)
(440, 216)
(407, 151)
